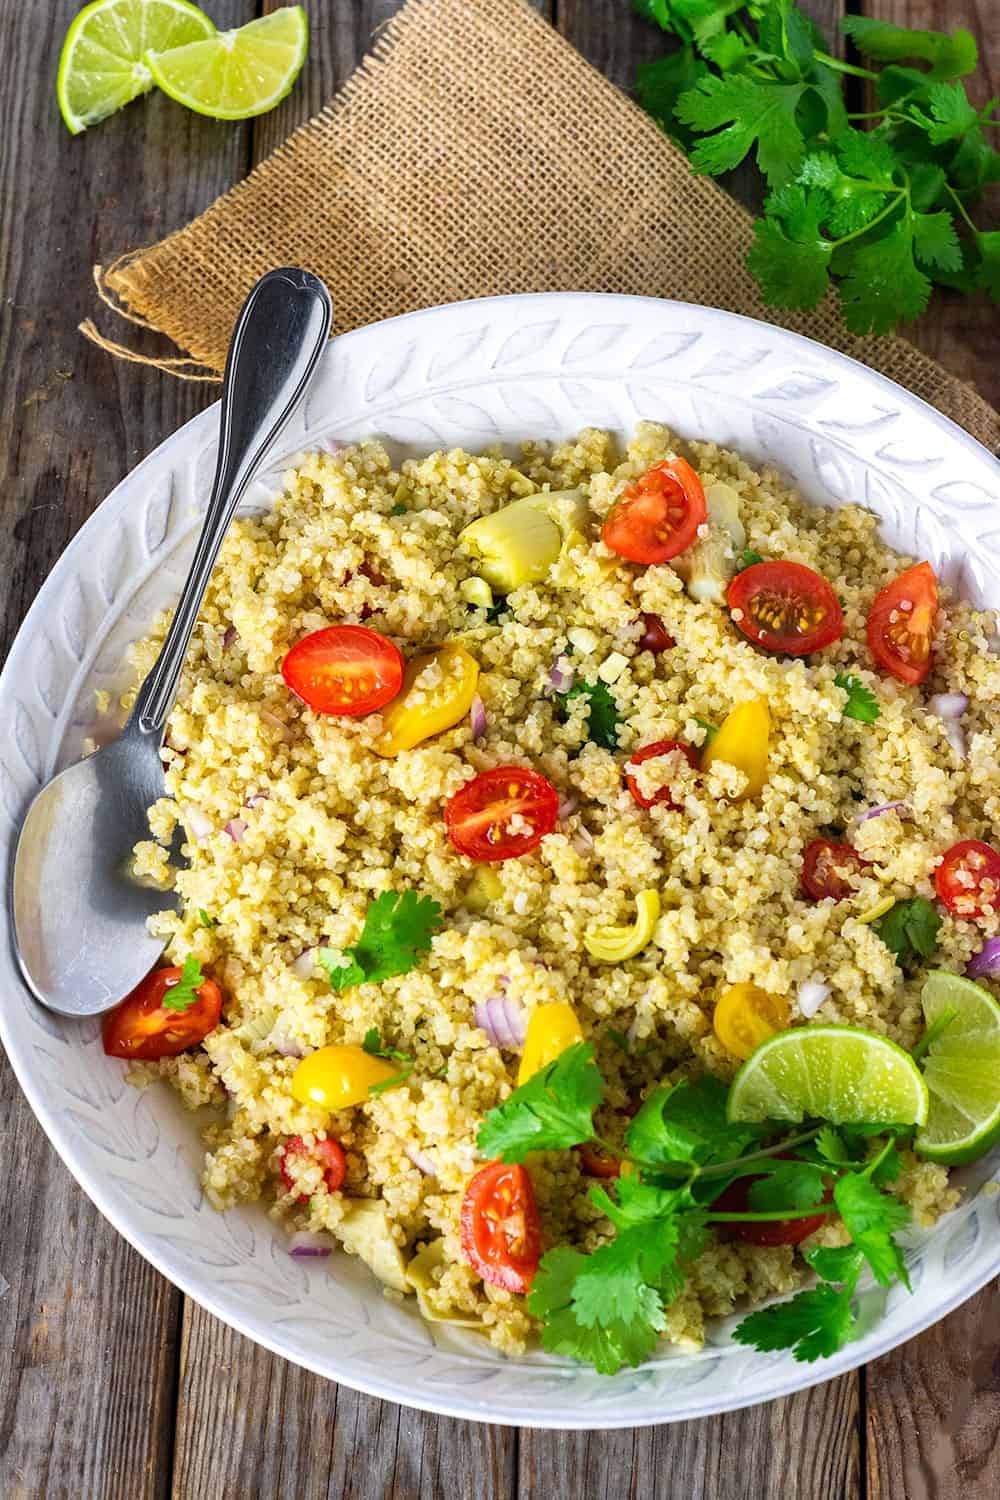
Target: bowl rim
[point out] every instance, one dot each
(395, 1389)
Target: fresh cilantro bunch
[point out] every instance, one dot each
(608, 1308)
(881, 213)
(398, 930)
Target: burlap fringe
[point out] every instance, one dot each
(181, 366)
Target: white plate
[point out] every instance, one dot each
(471, 374)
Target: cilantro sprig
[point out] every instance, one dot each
(373, 1045)
(910, 929)
(603, 719)
(861, 702)
(880, 212)
(182, 995)
(609, 1307)
(398, 931)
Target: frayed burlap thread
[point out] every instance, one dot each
(475, 153)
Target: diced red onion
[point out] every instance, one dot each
(257, 797)
(477, 718)
(568, 805)
(275, 723)
(503, 1020)
(561, 675)
(884, 807)
(236, 828)
(948, 705)
(985, 963)
(199, 823)
(230, 638)
(955, 735)
(421, 1161)
(306, 1245)
(283, 1044)
(811, 995)
(304, 967)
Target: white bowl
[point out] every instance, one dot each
(472, 374)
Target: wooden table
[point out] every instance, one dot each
(112, 1386)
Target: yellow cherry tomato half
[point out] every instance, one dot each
(742, 742)
(339, 1076)
(437, 693)
(551, 1029)
(745, 1015)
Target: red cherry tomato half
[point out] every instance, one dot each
(501, 1234)
(901, 624)
(141, 1028)
(736, 1200)
(827, 867)
(968, 878)
(344, 669)
(658, 516)
(501, 814)
(655, 636)
(786, 607)
(330, 1156)
(597, 1162)
(653, 752)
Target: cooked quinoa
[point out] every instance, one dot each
(329, 825)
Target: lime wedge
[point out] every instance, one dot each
(102, 68)
(962, 1070)
(235, 74)
(834, 1073)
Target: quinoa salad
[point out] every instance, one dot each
(589, 911)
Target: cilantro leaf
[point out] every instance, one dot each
(871, 1217)
(622, 1280)
(751, 112)
(684, 1123)
(398, 930)
(788, 1184)
(951, 114)
(659, 85)
(182, 995)
(747, 558)
(603, 720)
(204, 918)
(551, 1112)
(842, 1263)
(988, 271)
(790, 273)
(606, 1346)
(813, 1324)
(372, 1044)
(909, 930)
(883, 282)
(861, 702)
(949, 56)
(711, 730)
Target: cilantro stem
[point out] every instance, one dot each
(783, 1213)
(932, 1033)
(722, 1169)
(876, 1161)
(890, 208)
(845, 67)
(961, 207)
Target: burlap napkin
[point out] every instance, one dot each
(475, 152)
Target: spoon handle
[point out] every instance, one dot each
(278, 339)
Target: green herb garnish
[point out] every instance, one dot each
(608, 1308)
(747, 558)
(182, 995)
(204, 918)
(909, 929)
(861, 702)
(880, 214)
(603, 719)
(398, 930)
(372, 1044)
(711, 730)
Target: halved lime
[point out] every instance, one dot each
(235, 74)
(102, 68)
(835, 1073)
(962, 1070)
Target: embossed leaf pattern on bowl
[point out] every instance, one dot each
(495, 371)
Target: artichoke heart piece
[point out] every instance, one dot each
(709, 565)
(518, 544)
(364, 1231)
(420, 1276)
(613, 945)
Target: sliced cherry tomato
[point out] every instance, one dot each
(501, 814)
(330, 1156)
(143, 1029)
(786, 607)
(344, 669)
(501, 1235)
(653, 752)
(968, 879)
(655, 636)
(901, 624)
(658, 516)
(827, 867)
(597, 1162)
(736, 1200)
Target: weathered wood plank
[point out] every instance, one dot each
(88, 1329)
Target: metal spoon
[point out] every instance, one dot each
(79, 915)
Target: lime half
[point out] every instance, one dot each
(102, 68)
(233, 75)
(834, 1073)
(962, 1070)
